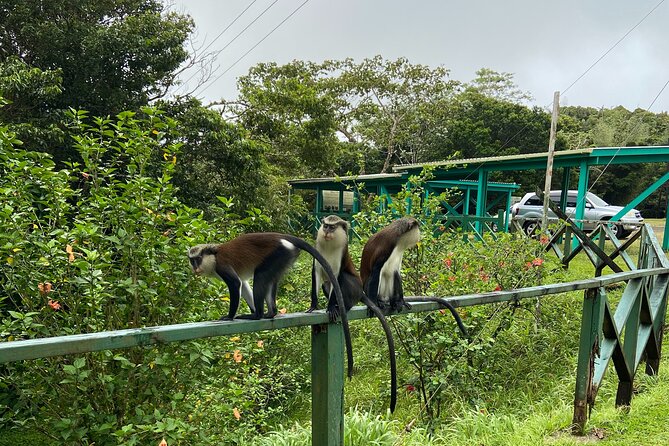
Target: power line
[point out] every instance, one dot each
(614, 45)
(589, 68)
(629, 133)
(234, 38)
(254, 46)
(233, 22)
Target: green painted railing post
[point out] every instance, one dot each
(593, 310)
(624, 394)
(327, 385)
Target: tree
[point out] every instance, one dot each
(399, 106)
(618, 127)
(289, 109)
(27, 92)
(341, 116)
(499, 86)
(216, 158)
(109, 56)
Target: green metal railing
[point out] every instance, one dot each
(640, 313)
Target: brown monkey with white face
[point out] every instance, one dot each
(264, 257)
(382, 259)
(332, 243)
(380, 267)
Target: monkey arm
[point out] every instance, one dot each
(234, 288)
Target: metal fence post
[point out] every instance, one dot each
(591, 322)
(327, 385)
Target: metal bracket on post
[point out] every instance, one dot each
(327, 385)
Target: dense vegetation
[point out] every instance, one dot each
(106, 179)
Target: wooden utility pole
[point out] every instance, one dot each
(549, 164)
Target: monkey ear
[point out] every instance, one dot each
(347, 226)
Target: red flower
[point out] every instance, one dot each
(538, 261)
(410, 388)
(55, 306)
(448, 262)
(451, 278)
(498, 288)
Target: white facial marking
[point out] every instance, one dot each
(208, 266)
(331, 248)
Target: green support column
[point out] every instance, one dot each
(583, 179)
(319, 208)
(327, 385)
(465, 204)
(665, 241)
(481, 198)
(507, 215)
(591, 322)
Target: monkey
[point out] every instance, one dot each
(381, 261)
(264, 257)
(380, 267)
(332, 243)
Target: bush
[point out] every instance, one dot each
(101, 246)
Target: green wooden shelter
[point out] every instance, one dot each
(480, 195)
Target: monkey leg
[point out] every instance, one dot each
(271, 303)
(266, 278)
(235, 289)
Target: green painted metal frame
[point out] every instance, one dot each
(640, 314)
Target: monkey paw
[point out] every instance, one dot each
(333, 313)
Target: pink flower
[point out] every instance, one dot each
(537, 261)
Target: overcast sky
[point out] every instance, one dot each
(547, 45)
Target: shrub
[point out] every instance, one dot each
(101, 246)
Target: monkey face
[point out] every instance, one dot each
(410, 228)
(202, 261)
(330, 227)
(195, 258)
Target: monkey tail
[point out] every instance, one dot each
(337, 290)
(446, 304)
(391, 350)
